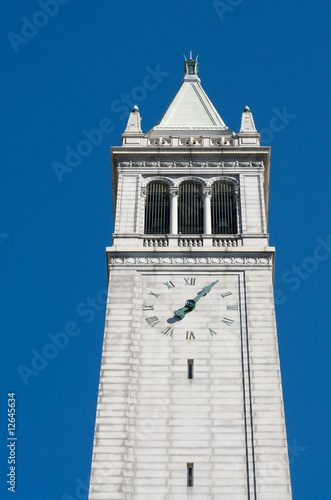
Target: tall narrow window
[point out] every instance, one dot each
(190, 208)
(223, 208)
(190, 364)
(157, 208)
(190, 468)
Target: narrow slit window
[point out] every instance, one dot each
(190, 364)
(190, 468)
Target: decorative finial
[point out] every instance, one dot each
(246, 109)
(135, 109)
(191, 65)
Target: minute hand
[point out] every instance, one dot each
(205, 290)
(190, 304)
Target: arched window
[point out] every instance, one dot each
(157, 208)
(223, 209)
(190, 208)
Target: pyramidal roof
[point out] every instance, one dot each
(191, 109)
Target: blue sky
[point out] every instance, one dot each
(76, 69)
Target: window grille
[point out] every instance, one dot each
(223, 208)
(157, 208)
(190, 208)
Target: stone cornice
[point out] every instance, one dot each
(197, 152)
(153, 163)
(233, 257)
(204, 261)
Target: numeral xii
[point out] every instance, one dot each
(189, 281)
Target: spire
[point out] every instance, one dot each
(247, 121)
(134, 122)
(191, 109)
(248, 135)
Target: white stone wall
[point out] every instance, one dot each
(253, 203)
(270, 443)
(116, 388)
(228, 420)
(151, 419)
(129, 217)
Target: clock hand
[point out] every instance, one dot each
(191, 303)
(207, 289)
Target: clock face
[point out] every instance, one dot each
(191, 307)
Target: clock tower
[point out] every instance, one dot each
(190, 400)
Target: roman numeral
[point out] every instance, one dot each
(168, 331)
(226, 294)
(148, 308)
(154, 294)
(190, 335)
(228, 321)
(212, 332)
(169, 284)
(152, 321)
(232, 308)
(189, 281)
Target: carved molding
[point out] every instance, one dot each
(145, 181)
(136, 261)
(232, 180)
(222, 141)
(190, 141)
(156, 242)
(175, 183)
(173, 164)
(174, 191)
(160, 141)
(197, 158)
(206, 191)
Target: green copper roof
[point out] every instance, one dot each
(191, 108)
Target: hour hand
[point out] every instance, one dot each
(189, 306)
